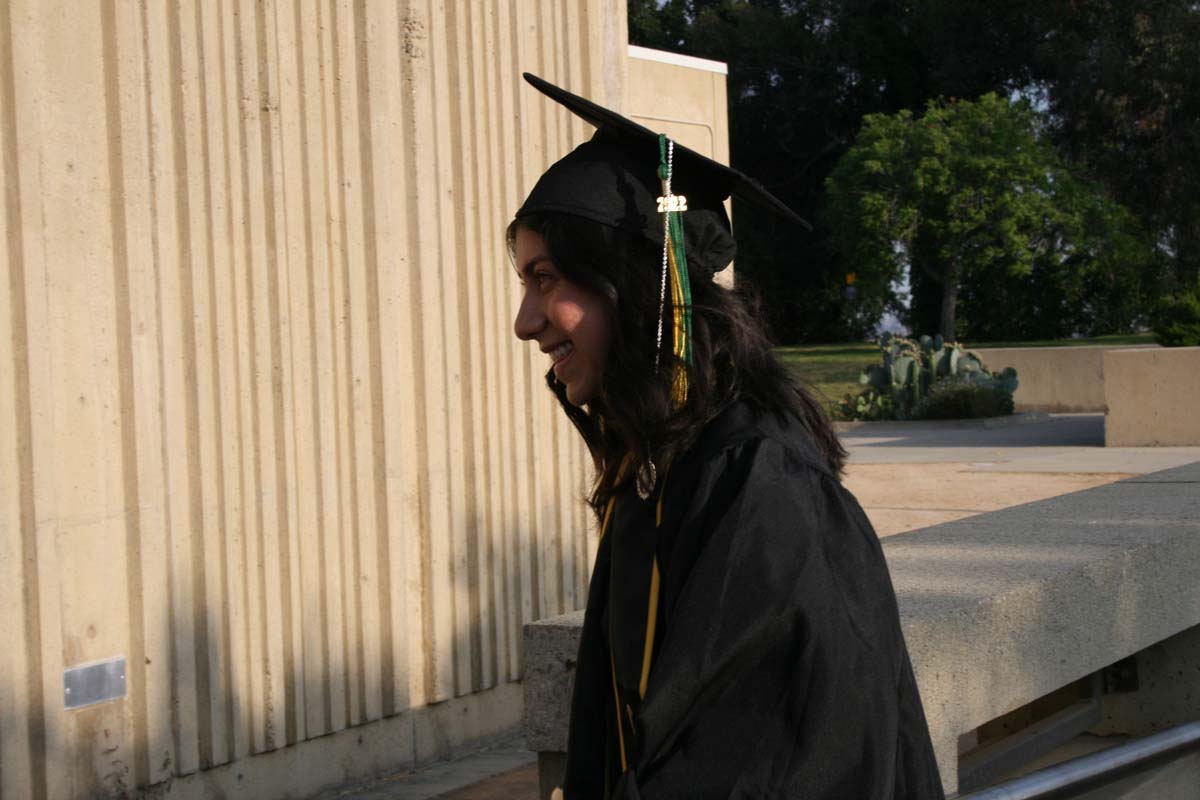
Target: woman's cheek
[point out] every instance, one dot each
(570, 315)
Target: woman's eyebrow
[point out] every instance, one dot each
(527, 269)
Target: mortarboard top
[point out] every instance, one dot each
(613, 179)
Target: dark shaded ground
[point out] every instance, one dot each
(519, 784)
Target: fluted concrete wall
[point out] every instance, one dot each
(264, 429)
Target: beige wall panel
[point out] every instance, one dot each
(348, 529)
(267, 496)
(264, 428)
(167, 211)
(17, 766)
(490, 604)
(507, 185)
(208, 549)
(1151, 397)
(279, 115)
(683, 97)
(451, 200)
(22, 768)
(345, 223)
(465, 23)
(300, 388)
(433, 640)
(75, 425)
(329, 321)
(134, 262)
(543, 124)
(386, 157)
(685, 102)
(232, 349)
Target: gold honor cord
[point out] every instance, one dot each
(679, 384)
(612, 663)
(617, 702)
(607, 516)
(651, 619)
(651, 624)
(652, 610)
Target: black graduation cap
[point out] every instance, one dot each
(613, 179)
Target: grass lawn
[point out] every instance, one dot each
(833, 369)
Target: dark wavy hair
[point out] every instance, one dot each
(732, 355)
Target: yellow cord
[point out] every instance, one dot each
(679, 385)
(651, 619)
(607, 516)
(651, 624)
(617, 701)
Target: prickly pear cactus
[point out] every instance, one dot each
(910, 368)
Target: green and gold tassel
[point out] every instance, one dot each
(672, 207)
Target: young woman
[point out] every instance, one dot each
(741, 637)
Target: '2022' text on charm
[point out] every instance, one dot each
(672, 202)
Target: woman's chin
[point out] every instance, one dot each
(578, 395)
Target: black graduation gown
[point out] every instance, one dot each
(774, 666)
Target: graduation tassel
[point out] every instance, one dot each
(674, 267)
(672, 207)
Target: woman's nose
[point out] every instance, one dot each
(530, 320)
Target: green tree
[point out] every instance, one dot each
(1117, 79)
(1121, 82)
(968, 196)
(802, 74)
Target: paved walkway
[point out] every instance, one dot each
(1057, 443)
(912, 475)
(506, 770)
(906, 475)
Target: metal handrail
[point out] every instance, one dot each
(1096, 769)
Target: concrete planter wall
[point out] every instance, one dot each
(1153, 397)
(1055, 379)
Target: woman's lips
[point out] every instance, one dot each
(560, 354)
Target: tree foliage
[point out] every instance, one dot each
(1116, 80)
(972, 197)
(1122, 85)
(1177, 319)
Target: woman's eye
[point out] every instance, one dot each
(542, 278)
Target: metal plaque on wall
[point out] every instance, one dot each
(98, 682)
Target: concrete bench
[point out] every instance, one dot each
(1153, 397)
(1002, 609)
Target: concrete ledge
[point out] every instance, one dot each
(1152, 397)
(550, 649)
(1001, 608)
(1056, 379)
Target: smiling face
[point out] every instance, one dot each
(569, 323)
